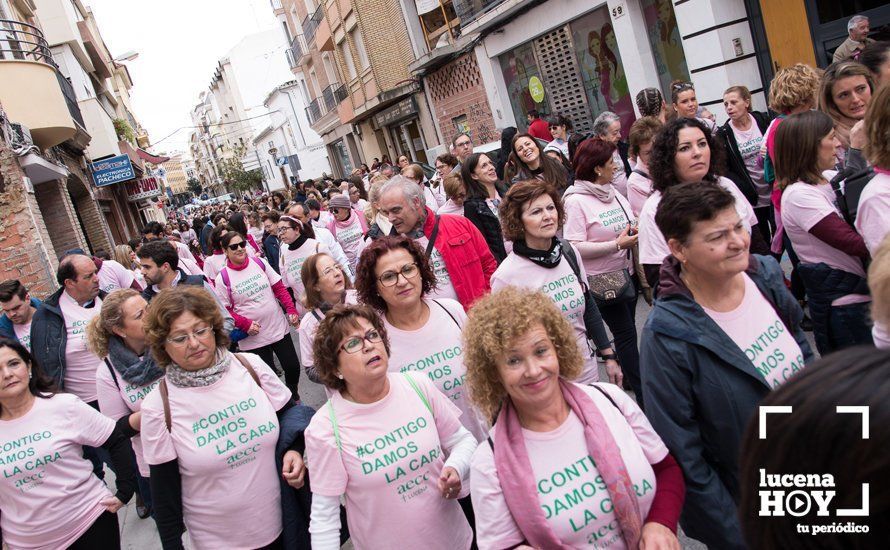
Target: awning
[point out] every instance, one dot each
(148, 157)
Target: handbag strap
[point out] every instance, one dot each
(569, 254)
(626, 218)
(433, 235)
(113, 374)
(445, 309)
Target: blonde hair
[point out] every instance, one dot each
(122, 255)
(111, 316)
(877, 128)
(792, 87)
(413, 171)
(879, 282)
(453, 183)
(495, 322)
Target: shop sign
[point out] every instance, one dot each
(401, 110)
(143, 189)
(113, 170)
(536, 89)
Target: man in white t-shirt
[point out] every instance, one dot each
(18, 311)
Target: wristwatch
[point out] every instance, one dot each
(605, 357)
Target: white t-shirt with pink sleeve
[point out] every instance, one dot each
(619, 178)
(436, 350)
(351, 238)
(873, 215)
(560, 285)
(290, 265)
(251, 290)
(570, 490)
(212, 265)
(120, 399)
(80, 362)
(309, 326)
(48, 493)
(113, 276)
(652, 244)
(224, 437)
(388, 464)
(639, 188)
(589, 219)
(803, 206)
(758, 331)
(23, 333)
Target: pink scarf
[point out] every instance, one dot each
(518, 480)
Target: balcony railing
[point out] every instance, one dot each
(23, 42)
(313, 111)
(310, 24)
(70, 98)
(294, 52)
(333, 95)
(469, 10)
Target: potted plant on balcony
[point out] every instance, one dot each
(124, 131)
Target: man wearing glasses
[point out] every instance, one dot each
(463, 147)
(457, 251)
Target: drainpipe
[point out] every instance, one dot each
(296, 118)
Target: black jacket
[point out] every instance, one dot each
(49, 337)
(735, 165)
(477, 211)
(204, 238)
(701, 391)
(272, 247)
(624, 152)
(194, 280)
(825, 285)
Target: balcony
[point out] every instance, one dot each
(333, 95)
(310, 24)
(314, 111)
(294, 52)
(441, 26)
(96, 50)
(469, 10)
(30, 85)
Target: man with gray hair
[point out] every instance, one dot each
(457, 251)
(857, 28)
(607, 127)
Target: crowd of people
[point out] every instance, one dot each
(475, 332)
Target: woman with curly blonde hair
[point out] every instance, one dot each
(555, 439)
(129, 372)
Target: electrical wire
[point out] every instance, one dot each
(216, 124)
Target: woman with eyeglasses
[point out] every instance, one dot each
(381, 441)
(210, 431)
(253, 293)
(326, 286)
(348, 227)
(395, 278)
(298, 240)
(560, 128)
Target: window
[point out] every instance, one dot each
(359, 42)
(286, 32)
(329, 68)
(314, 80)
(347, 59)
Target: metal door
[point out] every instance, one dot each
(555, 53)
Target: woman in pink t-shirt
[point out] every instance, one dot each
(299, 243)
(253, 293)
(639, 182)
(531, 217)
(600, 224)
(396, 278)
(210, 430)
(49, 496)
(831, 252)
(129, 372)
(215, 262)
(348, 227)
(381, 441)
(326, 286)
(456, 193)
(566, 465)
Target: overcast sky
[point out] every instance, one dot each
(179, 43)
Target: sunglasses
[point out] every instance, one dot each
(236, 246)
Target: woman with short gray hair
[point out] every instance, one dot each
(607, 127)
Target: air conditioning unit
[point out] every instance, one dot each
(21, 135)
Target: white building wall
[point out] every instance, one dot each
(288, 112)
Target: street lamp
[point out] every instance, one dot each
(129, 56)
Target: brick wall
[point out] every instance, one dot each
(26, 252)
(457, 91)
(386, 40)
(59, 216)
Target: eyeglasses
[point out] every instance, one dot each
(331, 270)
(390, 278)
(236, 246)
(354, 344)
(181, 339)
(282, 230)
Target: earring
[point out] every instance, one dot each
(340, 376)
(30, 374)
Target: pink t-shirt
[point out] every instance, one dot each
(116, 402)
(80, 362)
(183, 251)
(23, 333)
(619, 178)
(351, 238)
(290, 264)
(872, 221)
(803, 206)
(190, 267)
(450, 208)
(212, 265)
(48, 493)
(389, 466)
(758, 331)
(309, 326)
(563, 288)
(436, 350)
(113, 276)
(251, 289)
(638, 188)
(653, 246)
(570, 490)
(592, 220)
(224, 437)
(444, 286)
(749, 142)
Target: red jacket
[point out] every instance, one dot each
(540, 129)
(466, 255)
